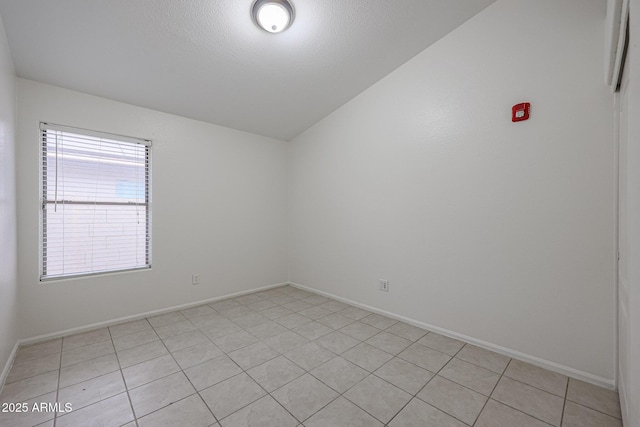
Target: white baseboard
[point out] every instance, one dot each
(9, 364)
(92, 326)
(543, 363)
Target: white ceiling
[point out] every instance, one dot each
(205, 59)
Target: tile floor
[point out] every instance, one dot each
(287, 357)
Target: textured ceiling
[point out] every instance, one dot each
(205, 59)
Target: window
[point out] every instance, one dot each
(96, 202)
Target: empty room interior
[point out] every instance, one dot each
(320, 213)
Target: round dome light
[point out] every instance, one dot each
(273, 16)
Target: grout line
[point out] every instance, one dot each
(124, 382)
(55, 415)
(181, 370)
(564, 402)
(435, 374)
(594, 410)
(493, 389)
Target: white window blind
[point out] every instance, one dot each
(96, 202)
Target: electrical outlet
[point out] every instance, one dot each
(195, 279)
(384, 285)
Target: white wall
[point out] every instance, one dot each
(8, 282)
(500, 231)
(219, 205)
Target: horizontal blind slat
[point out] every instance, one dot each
(96, 202)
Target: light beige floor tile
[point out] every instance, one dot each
(231, 395)
(21, 390)
(406, 331)
(341, 413)
(261, 305)
(292, 320)
(418, 414)
(220, 329)
(426, 358)
(378, 321)
(378, 398)
(151, 370)
(212, 372)
(470, 375)
(182, 341)
(339, 374)
(484, 358)
(333, 306)
(29, 418)
(286, 341)
(89, 392)
(367, 356)
(197, 354)
(250, 319)
(142, 353)
(297, 305)
(405, 375)
(112, 412)
(337, 342)
(265, 412)
(312, 330)
(441, 343)
(129, 328)
(594, 397)
(275, 373)
(200, 310)
(315, 312)
(580, 416)
(209, 320)
(309, 356)
(354, 313)
(41, 349)
(276, 312)
(253, 355)
(176, 328)
(335, 321)
(316, 299)
(88, 352)
(495, 414)
(33, 367)
(166, 318)
(537, 377)
(266, 329)
(160, 393)
(236, 312)
(235, 341)
(85, 338)
(390, 343)
(190, 411)
(135, 339)
(304, 396)
(87, 370)
(537, 403)
(454, 399)
(359, 331)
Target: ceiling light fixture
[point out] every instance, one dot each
(273, 16)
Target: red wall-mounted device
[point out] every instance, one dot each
(520, 112)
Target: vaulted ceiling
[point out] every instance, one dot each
(206, 59)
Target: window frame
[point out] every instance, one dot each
(44, 201)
